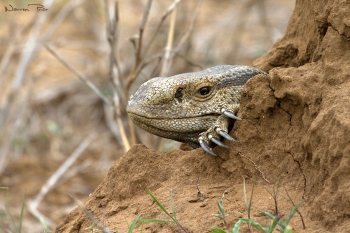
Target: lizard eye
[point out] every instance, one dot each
(178, 93)
(204, 90)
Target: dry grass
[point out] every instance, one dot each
(46, 111)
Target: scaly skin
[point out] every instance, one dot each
(196, 108)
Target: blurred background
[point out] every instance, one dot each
(57, 136)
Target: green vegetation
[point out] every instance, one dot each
(172, 216)
(277, 219)
(9, 224)
(221, 213)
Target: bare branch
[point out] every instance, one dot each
(133, 74)
(190, 29)
(189, 61)
(25, 61)
(90, 215)
(79, 75)
(29, 48)
(168, 53)
(141, 29)
(60, 17)
(50, 183)
(244, 13)
(145, 63)
(164, 16)
(12, 129)
(111, 31)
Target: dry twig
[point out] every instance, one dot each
(168, 49)
(133, 74)
(90, 215)
(136, 70)
(12, 131)
(190, 29)
(167, 59)
(111, 30)
(24, 61)
(79, 75)
(64, 12)
(256, 167)
(50, 183)
(240, 28)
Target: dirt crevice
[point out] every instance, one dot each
(304, 176)
(290, 154)
(340, 33)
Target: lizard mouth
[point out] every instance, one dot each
(137, 115)
(156, 125)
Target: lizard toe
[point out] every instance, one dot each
(205, 146)
(230, 115)
(217, 141)
(225, 135)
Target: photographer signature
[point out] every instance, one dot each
(39, 8)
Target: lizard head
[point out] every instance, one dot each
(182, 106)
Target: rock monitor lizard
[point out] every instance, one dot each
(197, 108)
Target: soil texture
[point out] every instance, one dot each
(294, 139)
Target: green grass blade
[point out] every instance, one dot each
(160, 205)
(90, 228)
(220, 204)
(217, 230)
(245, 193)
(2, 217)
(21, 216)
(288, 230)
(235, 229)
(165, 211)
(221, 208)
(251, 199)
(290, 215)
(218, 216)
(172, 204)
(46, 227)
(248, 206)
(271, 216)
(268, 214)
(9, 216)
(132, 226)
(254, 224)
(154, 220)
(273, 225)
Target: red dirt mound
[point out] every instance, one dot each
(294, 137)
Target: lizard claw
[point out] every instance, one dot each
(205, 146)
(217, 142)
(231, 115)
(226, 135)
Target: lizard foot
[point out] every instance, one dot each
(216, 132)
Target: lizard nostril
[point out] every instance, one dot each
(178, 93)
